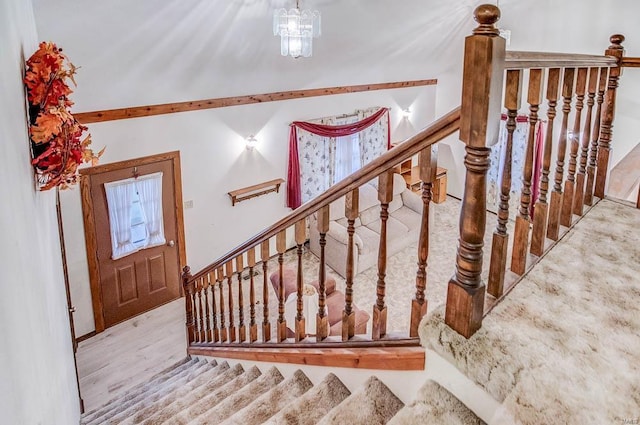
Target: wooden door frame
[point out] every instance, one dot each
(90, 235)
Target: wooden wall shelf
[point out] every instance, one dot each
(259, 189)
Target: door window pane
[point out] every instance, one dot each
(135, 214)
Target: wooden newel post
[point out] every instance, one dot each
(480, 117)
(188, 286)
(608, 114)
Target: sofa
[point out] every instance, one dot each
(403, 227)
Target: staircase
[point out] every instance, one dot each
(196, 391)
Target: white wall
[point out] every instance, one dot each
(37, 378)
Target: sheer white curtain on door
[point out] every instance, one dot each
(149, 189)
(119, 195)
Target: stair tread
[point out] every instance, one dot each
(435, 405)
(184, 402)
(372, 404)
(272, 401)
(140, 388)
(309, 408)
(176, 393)
(123, 410)
(240, 398)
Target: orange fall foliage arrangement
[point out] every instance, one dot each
(57, 141)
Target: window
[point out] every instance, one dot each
(135, 214)
(139, 233)
(347, 153)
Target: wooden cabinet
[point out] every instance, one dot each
(440, 186)
(411, 175)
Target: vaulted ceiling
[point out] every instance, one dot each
(157, 51)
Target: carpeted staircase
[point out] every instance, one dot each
(196, 391)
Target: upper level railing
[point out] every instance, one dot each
(206, 323)
(492, 81)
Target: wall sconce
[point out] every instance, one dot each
(406, 113)
(251, 142)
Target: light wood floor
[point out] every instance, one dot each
(130, 353)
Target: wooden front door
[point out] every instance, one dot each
(140, 281)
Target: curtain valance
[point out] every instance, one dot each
(294, 194)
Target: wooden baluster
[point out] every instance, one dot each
(253, 327)
(264, 257)
(523, 220)
(595, 137)
(480, 114)
(229, 275)
(553, 227)
(212, 284)
(322, 319)
(351, 206)
(498, 264)
(242, 329)
(207, 317)
(578, 198)
(301, 236)
(541, 207)
(201, 328)
(638, 199)
(187, 285)
(427, 163)
(281, 247)
(608, 114)
(385, 196)
(566, 212)
(220, 280)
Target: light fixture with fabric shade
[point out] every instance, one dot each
(296, 29)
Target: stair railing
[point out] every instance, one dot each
(492, 78)
(211, 320)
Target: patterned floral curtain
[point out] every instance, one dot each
(494, 175)
(374, 139)
(317, 154)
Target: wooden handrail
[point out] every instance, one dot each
(630, 62)
(444, 126)
(525, 60)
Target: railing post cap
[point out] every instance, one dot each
(486, 15)
(616, 41)
(186, 270)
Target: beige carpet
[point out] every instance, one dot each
(564, 347)
(203, 393)
(434, 405)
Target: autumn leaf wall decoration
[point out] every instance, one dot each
(57, 142)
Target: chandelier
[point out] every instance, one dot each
(296, 29)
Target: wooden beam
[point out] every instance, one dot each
(222, 102)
